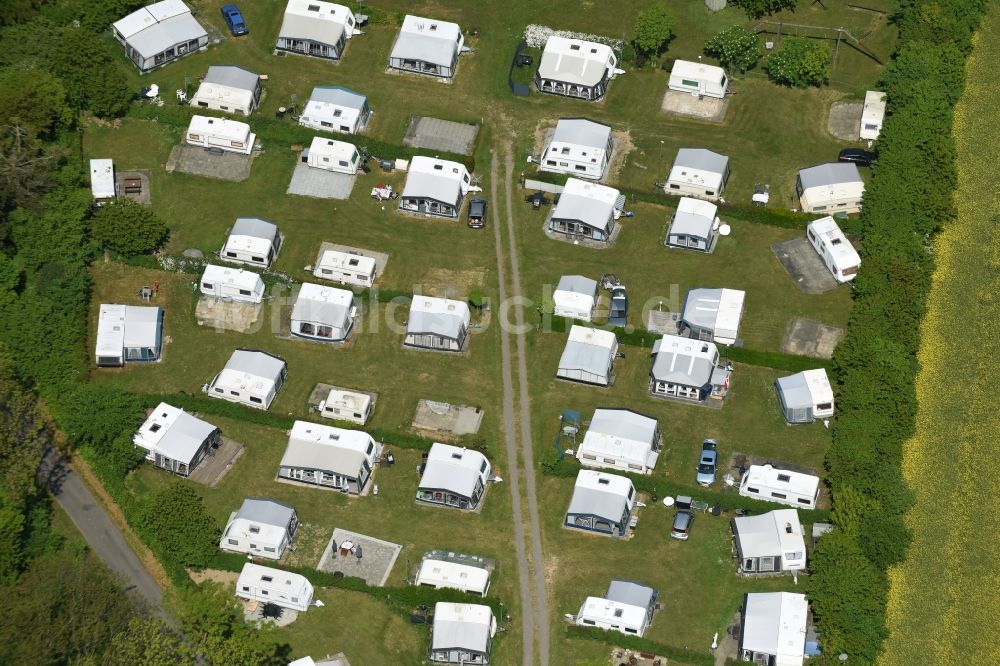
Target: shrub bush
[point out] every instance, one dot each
(799, 62)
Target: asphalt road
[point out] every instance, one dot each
(100, 532)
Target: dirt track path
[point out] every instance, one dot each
(531, 566)
(510, 437)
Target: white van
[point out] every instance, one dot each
(832, 246)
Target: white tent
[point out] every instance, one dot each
(835, 186)
(872, 115)
(688, 370)
(316, 28)
(601, 503)
(694, 225)
(589, 356)
(128, 333)
(252, 241)
(329, 457)
(229, 135)
(805, 396)
(774, 628)
(323, 313)
(434, 187)
(575, 68)
(437, 323)
(462, 634)
(698, 79)
(840, 257)
(575, 297)
(102, 180)
(233, 284)
(627, 607)
(453, 476)
(330, 155)
(262, 527)
(252, 378)
(621, 439)
(713, 315)
(274, 586)
(174, 440)
(427, 46)
(698, 172)
(159, 33)
(586, 211)
(229, 88)
(771, 542)
(336, 109)
(346, 268)
(580, 147)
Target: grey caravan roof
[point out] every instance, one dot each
(584, 209)
(701, 159)
(185, 436)
(794, 392)
(231, 76)
(313, 28)
(594, 502)
(701, 308)
(445, 325)
(582, 132)
(255, 227)
(257, 363)
(321, 312)
(266, 511)
(461, 635)
(577, 284)
(586, 357)
(689, 224)
(424, 48)
(160, 36)
(634, 594)
(829, 174)
(625, 424)
(432, 186)
(316, 455)
(339, 96)
(677, 367)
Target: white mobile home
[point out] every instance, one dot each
(128, 333)
(780, 485)
(440, 324)
(252, 378)
(579, 147)
(772, 542)
(316, 28)
(252, 241)
(229, 135)
(698, 79)
(454, 571)
(346, 268)
(694, 225)
(434, 187)
(229, 88)
(835, 186)
(872, 115)
(274, 586)
(713, 315)
(805, 396)
(462, 634)
(689, 370)
(102, 181)
(347, 406)
(621, 439)
(159, 33)
(427, 46)
(698, 172)
(575, 297)
(323, 313)
(773, 630)
(832, 246)
(586, 211)
(453, 476)
(601, 503)
(262, 527)
(321, 455)
(336, 109)
(174, 440)
(231, 284)
(575, 68)
(627, 607)
(330, 155)
(589, 356)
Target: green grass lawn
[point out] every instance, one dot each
(768, 132)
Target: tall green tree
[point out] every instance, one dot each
(148, 642)
(653, 29)
(176, 519)
(758, 8)
(128, 227)
(799, 62)
(215, 632)
(737, 48)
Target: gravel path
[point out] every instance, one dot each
(523, 574)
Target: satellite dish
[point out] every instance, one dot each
(668, 501)
(725, 230)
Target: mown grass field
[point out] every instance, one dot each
(942, 601)
(769, 133)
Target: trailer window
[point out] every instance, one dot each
(256, 400)
(207, 285)
(244, 292)
(824, 406)
(807, 502)
(779, 495)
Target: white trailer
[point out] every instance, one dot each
(698, 79)
(102, 181)
(331, 155)
(872, 115)
(346, 268)
(780, 485)
(232, 284)
(229, 135)
(832, 246)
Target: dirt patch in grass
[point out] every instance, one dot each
(450, 283)
(225, 578)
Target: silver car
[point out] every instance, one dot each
(708, 463)
(682, 524)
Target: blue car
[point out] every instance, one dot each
(234, 20)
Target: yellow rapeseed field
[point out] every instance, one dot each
(944, 602)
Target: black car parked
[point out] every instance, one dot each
(477, 213)
(859, 156)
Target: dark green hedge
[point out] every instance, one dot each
(908, 200)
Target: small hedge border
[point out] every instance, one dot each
(617, 639)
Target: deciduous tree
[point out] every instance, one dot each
(799, 62)
(128, 227)
(736, 47)
(653, 28)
